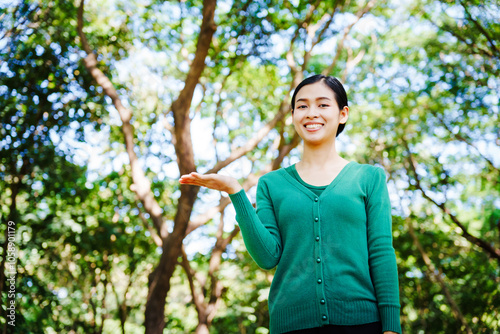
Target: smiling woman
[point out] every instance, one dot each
(317, 116)
(320, 111)
(325, 222)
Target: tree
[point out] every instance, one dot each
(158, 89)
(39, 102)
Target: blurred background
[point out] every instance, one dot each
(104, 104)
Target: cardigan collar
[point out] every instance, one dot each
(309, 192)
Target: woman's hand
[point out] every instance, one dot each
(212, 181)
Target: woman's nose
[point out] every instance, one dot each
(312, 112)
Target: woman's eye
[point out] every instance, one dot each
(302, 107)
(323, 105)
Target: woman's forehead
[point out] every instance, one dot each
(315, 91)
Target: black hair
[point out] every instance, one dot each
(334, 84)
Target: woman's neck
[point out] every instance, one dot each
(320, 165)
(320, 157)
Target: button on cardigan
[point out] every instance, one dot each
(334, 255)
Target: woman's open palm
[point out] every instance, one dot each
(212, 181)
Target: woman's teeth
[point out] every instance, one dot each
(313, 126)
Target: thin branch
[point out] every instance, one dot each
(284, 107)
(461, 138)
(153, 232)
(218, 111)
(250, 181)
(296, 73)
(216, 286)
(347, 30)
(198, 298)
(311, 31)
(437, 275)
(197, 109)
(481, 28)
(317, 39)
(262, 133)
(250, 145)
(225, 242)
(285, 150)
(476, 49)
(204, 218)
(352, 62)
(208, 215)
(490, 250)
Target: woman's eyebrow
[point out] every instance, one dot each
(317, 99)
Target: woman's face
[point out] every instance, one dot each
(317, 116)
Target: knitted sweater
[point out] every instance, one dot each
(334, 255)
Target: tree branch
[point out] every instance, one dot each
(198, 298)
(311, 31)
(250, 181)
(461, 138)
(474, 48)
(181, 106)
(481, 28)
(490, 250)
(154, 233)
(264, 131)
(437, 275)
(347, 30)
(218, 112)
(296, 71)
(204, 218)
(285, 150)
(250, 145)
(141, 184)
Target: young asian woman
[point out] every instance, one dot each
(325, 223)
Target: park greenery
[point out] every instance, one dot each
(104, 104)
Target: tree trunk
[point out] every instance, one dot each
(159, 280)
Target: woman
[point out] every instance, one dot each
(325, 223)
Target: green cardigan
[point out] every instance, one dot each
(336, 263)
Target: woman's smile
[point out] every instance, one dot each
(311, 127)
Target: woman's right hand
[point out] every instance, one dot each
(212, 181)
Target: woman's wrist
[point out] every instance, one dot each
(234, 188)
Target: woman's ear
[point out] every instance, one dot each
(344, 115)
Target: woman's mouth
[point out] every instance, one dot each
(313, 126)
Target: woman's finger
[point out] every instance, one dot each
(190, 176)
(189, 180)
(211, 181)
(197, 180)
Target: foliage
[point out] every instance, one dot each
(430, 118)
(423, 80)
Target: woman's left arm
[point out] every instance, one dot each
(382, 257)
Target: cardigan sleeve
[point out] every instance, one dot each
(382, 257)
(259, 229)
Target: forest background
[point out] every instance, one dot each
(105, 103)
